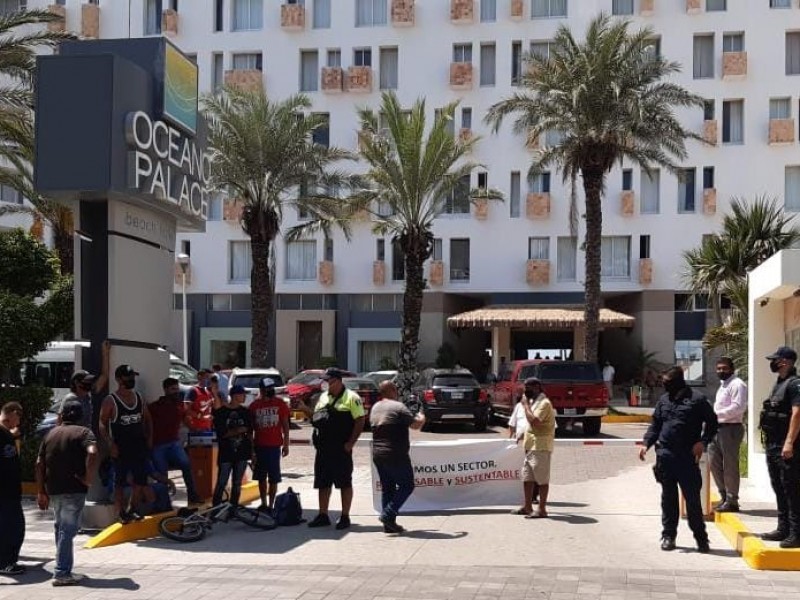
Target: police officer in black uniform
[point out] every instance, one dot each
(780, 423)
(683, 425)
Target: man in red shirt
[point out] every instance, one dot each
(201, 401)
(168, 413)
(271, 440)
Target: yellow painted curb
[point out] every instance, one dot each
(148, 527)
(29, 488)
(627, 419)
(754, 551)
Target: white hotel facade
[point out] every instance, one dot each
(343, 299)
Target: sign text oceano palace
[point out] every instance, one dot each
(166, 163)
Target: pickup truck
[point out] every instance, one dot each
(575, 388)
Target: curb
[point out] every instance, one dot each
(627, 419)
(755, 552)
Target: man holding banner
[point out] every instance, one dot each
(539, 442)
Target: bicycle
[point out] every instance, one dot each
(191, 525)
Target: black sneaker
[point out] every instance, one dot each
(320, 520)
(135, 515)
(392, 529)
(343, 522)
(667, 544)
(125, 517)
(727, 506)
(793, 541)
(777, 535)
(12, 570)
(703, 547)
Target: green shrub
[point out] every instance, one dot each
(35, 401)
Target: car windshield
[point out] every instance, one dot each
(251, 381)
(562, 371)
(306, 378)
(183, 373)
(360, 384)
(455, 380)
(380, 377)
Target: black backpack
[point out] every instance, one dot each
(288, 510)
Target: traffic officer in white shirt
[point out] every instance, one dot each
(730, 406)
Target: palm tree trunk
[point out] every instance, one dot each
(415, 255)
(262, 298)
(64, 245)
(592, 187)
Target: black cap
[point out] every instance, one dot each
(532, 381)
(71, 411)
(237, 389)
(333, 373)
(82, 376)
(125, 371)
(783, 352)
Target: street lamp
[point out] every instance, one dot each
(183, 262)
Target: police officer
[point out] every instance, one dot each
(780, 423)
(683, 425)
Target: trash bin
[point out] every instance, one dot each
(705, 489)
(202, 451)
(636, 396)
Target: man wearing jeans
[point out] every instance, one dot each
(390, 421)
(64, 469)
(168, 413)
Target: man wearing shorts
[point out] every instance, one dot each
(270, 416)
(126, 427)
(539, 442)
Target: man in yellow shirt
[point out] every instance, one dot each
(539, 442)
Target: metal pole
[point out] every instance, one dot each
(185, 327)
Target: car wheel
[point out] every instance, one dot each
(591, 426)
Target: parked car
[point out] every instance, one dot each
(380, 376)
(249, 379)
(307, 386)
(452, 395)
(366, 388)
(575, 388)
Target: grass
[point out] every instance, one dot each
(743, 459)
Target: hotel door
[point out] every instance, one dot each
(309, 344)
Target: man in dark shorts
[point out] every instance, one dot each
(390, 421)
(270, 416)
(12, 519)
(335, 435)
(126, 427)
(64, 471)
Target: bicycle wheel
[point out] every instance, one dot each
(179, 530)
(255, 518)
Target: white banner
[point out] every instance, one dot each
(461, 474)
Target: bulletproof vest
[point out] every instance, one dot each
(776, 412)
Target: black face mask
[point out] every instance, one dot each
(724, 375)
(774, 366)
(129, 383)
(174, 397)
(673, 386)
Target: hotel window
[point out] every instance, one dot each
(322, 134)
(398, 262)
(615, 257)
(328, 250)
(622, 7)
(459, 260)
(9, 195)
(309, 70)
(488, 56)
(248, 15)
(686, 190)
(514, 196)
(247, 62)
(793, 52)
(644, 246)
(215, 209)
(488, 11)
(217, 71)
(370, 13)
(653, 49)
(380, 249)
(651, 192)
(566, 258)
(709, 110)
(538, 248)
(708, 178)
(716, 5)
(704, 56)
(780, 108)
(240, 262)
(733, 42)
(516, 62)
(780, 3)
(792, 189)
(548, 8)
(437, 252)
(301, 260)
(334, 58)
(539, 184)
(462, 53)
(733, 122)
(362, 57)
(627, 180)
(466, 118)
(457, 202)
(541, 49)
(219, 13)
(152, 17)
(321, 17)
(388, 68)
(689, 356)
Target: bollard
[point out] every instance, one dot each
(705, 490)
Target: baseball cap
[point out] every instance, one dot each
(125, 371)
(81, 376)
(533, 381)
(267, 382)
(204, 371)
(783, 352)
(333, 373)
(71, 411)
(237, 389)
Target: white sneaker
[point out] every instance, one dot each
(72, 579)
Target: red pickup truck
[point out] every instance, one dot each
(575, 388)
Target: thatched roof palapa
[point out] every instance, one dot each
(534, 318)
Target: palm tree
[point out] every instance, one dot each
(263, 156)
(411, 173)
(750, 234)
(609, 100)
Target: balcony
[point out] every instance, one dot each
(57, 26)
(244, 79)
(734, 65)
(403, 13)
(517, 10)
(537, 272)
(781, 131)
(647, 7)
(711, 131)
(293, 17)
(462, 12)
(694, 7)
(465, 134)
(90, 21)
(179, 274)
(537, 205)
(710, 201)
(436, 273)
(325, 272)
(627, 201)
(332, 80)
(532, 143)
(461, 76)
(480, 209)
(232, 210)
(359, 79)
(645, 271)
(379, 272)
(169, 22)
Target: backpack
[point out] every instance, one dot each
(288, 510)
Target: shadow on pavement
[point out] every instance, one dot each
(429, 534)
(571, 519)
(116, 583)
(760, 512)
